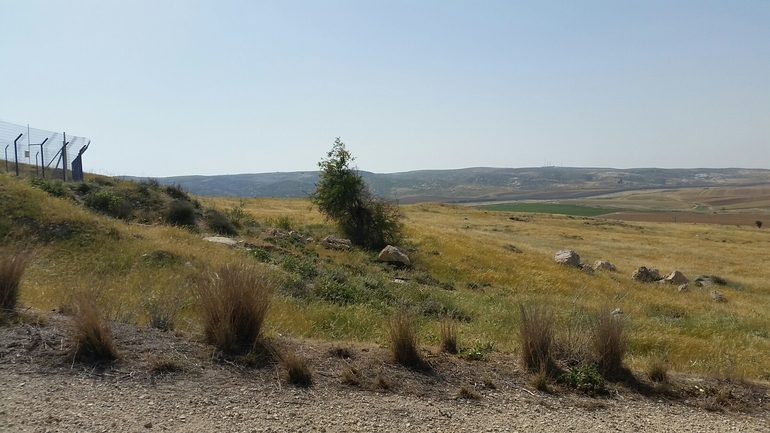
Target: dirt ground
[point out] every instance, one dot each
(171, 382)
(742, 219)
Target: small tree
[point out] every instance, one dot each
(758, 223)
(342, 196)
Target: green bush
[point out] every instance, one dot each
(301, 267)
(335, 292)
(108, 203)
(54, 188)
(181, 213)
(219, 223)
(260, 254)
(343, 197)
(584, 377)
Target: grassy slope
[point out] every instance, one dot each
(466, 247)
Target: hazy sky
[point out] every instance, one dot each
(186, 87)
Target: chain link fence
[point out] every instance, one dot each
(48, 154)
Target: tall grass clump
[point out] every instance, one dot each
(233, 306)
(12, 268)
(536, 338)
(90, 333)
(449, 336)
(609, 343)
(402, 334)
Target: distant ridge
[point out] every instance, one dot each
(477, 184)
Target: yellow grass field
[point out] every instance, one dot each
(494, 260)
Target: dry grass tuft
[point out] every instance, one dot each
(449, 336)
(402, 333)
(380, 383)
(12, 268)
(350, 375)
(610, 344)
(539, 380)
(467, 392)
(536, 337)
(297, 371)
(166, 365)
(657, 371)
(90, 333)
(233, 305)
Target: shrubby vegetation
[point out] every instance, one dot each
(342, 196)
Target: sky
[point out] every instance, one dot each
(166, 88)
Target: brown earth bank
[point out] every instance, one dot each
(737, 219)
(169, 382)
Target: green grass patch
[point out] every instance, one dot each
(552, 208)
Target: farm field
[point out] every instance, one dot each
(550, 208)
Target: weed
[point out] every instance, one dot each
(260, 254)
(536, 338)
(381, 383)
(165, 365)
(12, 268)
(478, 351)
(90, 334)
(488, 382)
(342, 352)
(609, 344)
(350, 375)
(334, 292)
(467, 392)
(402, 333)
(233, 305)
(297, 371)
(54, 188)
(449, 336)
(584, 377)
(163, 309)
(657, 371)
(539, 379)
(304, 268)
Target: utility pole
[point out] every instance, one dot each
(16, 153)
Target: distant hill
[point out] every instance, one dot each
(477, 184)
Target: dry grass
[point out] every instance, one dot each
(297, 370)
(233, 306)
(467, 392)
(90, 333)
(350, 375)
(12, 267)
(449, 336)
(539, 380)
(610, 344)
(402, 334)
(657, 371)
(536, 337)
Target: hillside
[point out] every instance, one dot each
(477, 184)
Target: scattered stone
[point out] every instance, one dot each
(603, 265)
(683, 287)
(221, 240)
(585, 267)
(676, 277)
(332, 243)
(717, 296)
(300, 237)
(567, 257)
(148, 425)
(391, 254)
(644, 275)
(616, 311)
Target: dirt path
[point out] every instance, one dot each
(41, 391)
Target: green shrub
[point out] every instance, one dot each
(304, 268)
(108, 203)
(335, 292)
(54, 188)
(343, 197)
(181, 213)
(219, 223)
(584, 377)
(177, 193)
(260, 254)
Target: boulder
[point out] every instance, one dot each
(603, 265)
(683, 287)
(644, 275)
(567, 257)
(222, 240)
(676, 277)
(333, 243)
(391, 254)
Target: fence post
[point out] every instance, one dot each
(37, 170)
(42, 157)
(16, 154)
(64, 156)
(6, 157)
